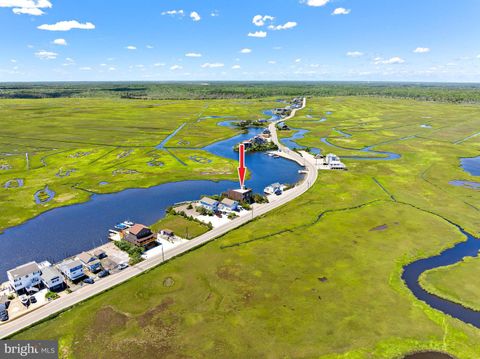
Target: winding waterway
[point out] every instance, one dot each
(66, 231)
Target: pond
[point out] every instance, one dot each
(471, 165)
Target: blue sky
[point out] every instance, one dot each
(365, 40)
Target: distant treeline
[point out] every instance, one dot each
(457, 93)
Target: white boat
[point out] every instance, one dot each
(275, 188)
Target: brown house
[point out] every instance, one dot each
(240, 195)
(141, 236)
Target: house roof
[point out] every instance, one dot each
(86, 257)
(71, 264)
(24, 269)
(99, 252)
(228, 202)
(137, 228)
(240, 190)
(48, 273)
(209, 201)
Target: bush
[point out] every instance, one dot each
(232, 215)
(134, 252)
(190, 206)
(258, 198)
(51, 295)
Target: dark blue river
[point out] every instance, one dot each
(66, 231)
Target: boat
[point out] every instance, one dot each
(302, 171)
(276, 156)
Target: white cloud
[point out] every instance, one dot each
(131, 47)
(478, 56)
(195, 16)
(193, 54)
(341, 11)
(149, 46)
(391, 61)
(60, 42)
(46, 55)
(85, 68)
(354, 54)
(212, 65)
(421, 50)
(286, 26)
(245, 51)
(298, 61)
(176, 67)
(260, 34)
(179, 13)
(111, 68)
(26, 7)
(67, 25)
(272, 62)
(259, 20)
(315, 3)
(159, 64)
(13, 61)
(215, 13)
(236, 67)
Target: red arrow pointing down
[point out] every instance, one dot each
(241, 168)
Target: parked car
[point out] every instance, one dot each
(33, 300)
(88, 280)
(122, 266)
(4, 316)
(103, 273)
(25, 300)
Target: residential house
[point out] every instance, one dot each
(24, 277)
(52, 279)
(228, 205)
(141, 236)
(240, 195)
(72, 269)
(90, 262)
(100, 253)
(333, 162)
(209, 204)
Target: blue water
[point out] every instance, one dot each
(387, 156)
(169, 137)
(466, 184)
(412, 272)
(66, 231)
(471, 165)
(291, 143)
(48, 191)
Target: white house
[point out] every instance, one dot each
(52, 279)
(228, 205)
(73, 269)
(333, 162)
(24, 277)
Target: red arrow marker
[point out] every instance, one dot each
(241, 168)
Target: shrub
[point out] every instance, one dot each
(51, 295)
(190, 206)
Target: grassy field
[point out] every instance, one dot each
(458, 282)
(319, 277)
(181, 226)
(77, 147)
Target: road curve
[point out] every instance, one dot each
(71, 299)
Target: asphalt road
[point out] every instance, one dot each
(67, 301)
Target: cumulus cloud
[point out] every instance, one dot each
(212, 65)
(131, 47)
(46, 55)
(176, 67)
(236, 67)
(193, 54)
(67, 26)
(26, 7)
(245, 51)
(315, 3)
(149, 46)
(421, 50)
(60, 42)
(259, 34)
(261, 20)
(286, 26)
(341, 11)
(391, 61)
(195, 16)
(354, 54)
(179, 13)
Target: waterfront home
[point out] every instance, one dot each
(274, 188)
(52, 279)
(228, 205)
(240, 195)
(209, 204)
(247, 144)
(333, 162)
(100, 253)
(72, 269)
(90, 262)
(23, 278)
(140, 236)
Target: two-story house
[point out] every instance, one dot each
(141, 236)
(72, 269)
(52, 279)
(24, 277)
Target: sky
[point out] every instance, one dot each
(221, 40)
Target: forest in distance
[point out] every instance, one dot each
(440, 92)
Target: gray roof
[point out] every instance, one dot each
(209, 201)
(48, 273)
(228, 202)
(24, 269)
(70, 264)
